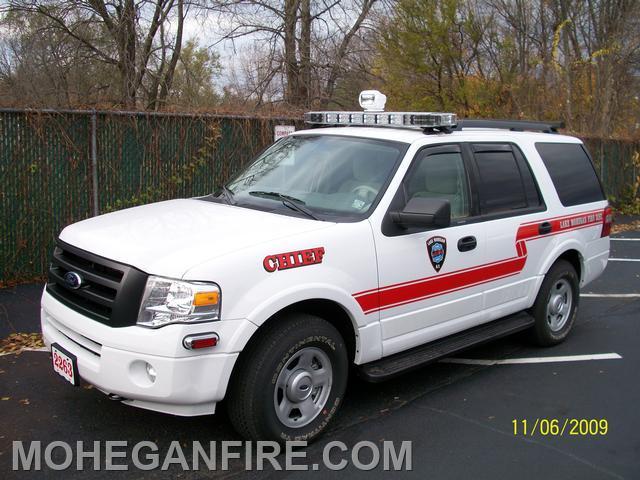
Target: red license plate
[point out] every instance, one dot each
(65, 364)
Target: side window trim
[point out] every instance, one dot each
(389, 228)
(532, 189)
(425, 152)
(524, 168)
(474, 180)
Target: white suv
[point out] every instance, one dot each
(383, 246)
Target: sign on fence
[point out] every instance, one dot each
(282, 131)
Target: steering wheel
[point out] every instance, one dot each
(363, 190)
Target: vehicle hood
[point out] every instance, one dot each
(168, 238)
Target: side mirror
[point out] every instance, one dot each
(424, 212)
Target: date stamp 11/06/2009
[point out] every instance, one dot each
(558, 427)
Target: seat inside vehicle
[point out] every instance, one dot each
(441, 176)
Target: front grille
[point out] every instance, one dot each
(110, 292)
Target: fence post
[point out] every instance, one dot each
(94, 162)
(602, 170)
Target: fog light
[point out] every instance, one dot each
(151, 372)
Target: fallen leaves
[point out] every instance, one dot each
(16, 342)
(626, 227)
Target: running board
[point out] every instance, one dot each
(402, 362)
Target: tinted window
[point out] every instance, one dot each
(572, 173)
(500, 188)
(440, 175)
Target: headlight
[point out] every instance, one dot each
(168, 301)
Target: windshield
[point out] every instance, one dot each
(317, 176)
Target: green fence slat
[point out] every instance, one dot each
(46, 171)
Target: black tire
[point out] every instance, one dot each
(551, 328)
(256, 384)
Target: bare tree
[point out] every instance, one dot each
(309, 42)
(141, 39)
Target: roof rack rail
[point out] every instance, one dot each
(513, 125)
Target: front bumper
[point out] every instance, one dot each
(114, 359)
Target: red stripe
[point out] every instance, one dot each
(439, 285)
(386, 307)
(407, 292)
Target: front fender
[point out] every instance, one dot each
(299, 293)
(368, 340)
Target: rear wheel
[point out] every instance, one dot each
(556, 306)
(289, 384)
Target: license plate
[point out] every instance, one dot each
(65, 364)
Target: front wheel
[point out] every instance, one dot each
(290, 382)
(556, 305)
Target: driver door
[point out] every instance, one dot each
(429, 286)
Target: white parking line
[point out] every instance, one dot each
(625, 239)
(509, 361)
(624, 259)
(610, 295)
(27, 349)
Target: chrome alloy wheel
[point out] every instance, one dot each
(303, 387)
(559, 305)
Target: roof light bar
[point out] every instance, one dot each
(418, 120)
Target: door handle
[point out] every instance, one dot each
(467, 243)
(544, 228)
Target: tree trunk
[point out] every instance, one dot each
(128, 53)
(336, 65)
(167, 81)
(305, 53)
(291, 67)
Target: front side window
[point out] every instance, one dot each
(328, 177)
(441, 175)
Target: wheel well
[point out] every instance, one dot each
(333, 313)
(328, 310)
(574, 258)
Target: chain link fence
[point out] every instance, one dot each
(59, 167)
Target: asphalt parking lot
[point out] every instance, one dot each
(459, 416)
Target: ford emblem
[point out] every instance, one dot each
(72, 280)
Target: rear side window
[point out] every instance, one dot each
(572, 173)
(505, 181)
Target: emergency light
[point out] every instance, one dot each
(372, 100)
(373, 103)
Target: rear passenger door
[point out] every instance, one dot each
(507, 197)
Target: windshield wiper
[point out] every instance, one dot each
(228, 194)
(287, 200)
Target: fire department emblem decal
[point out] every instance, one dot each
(437, 249)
